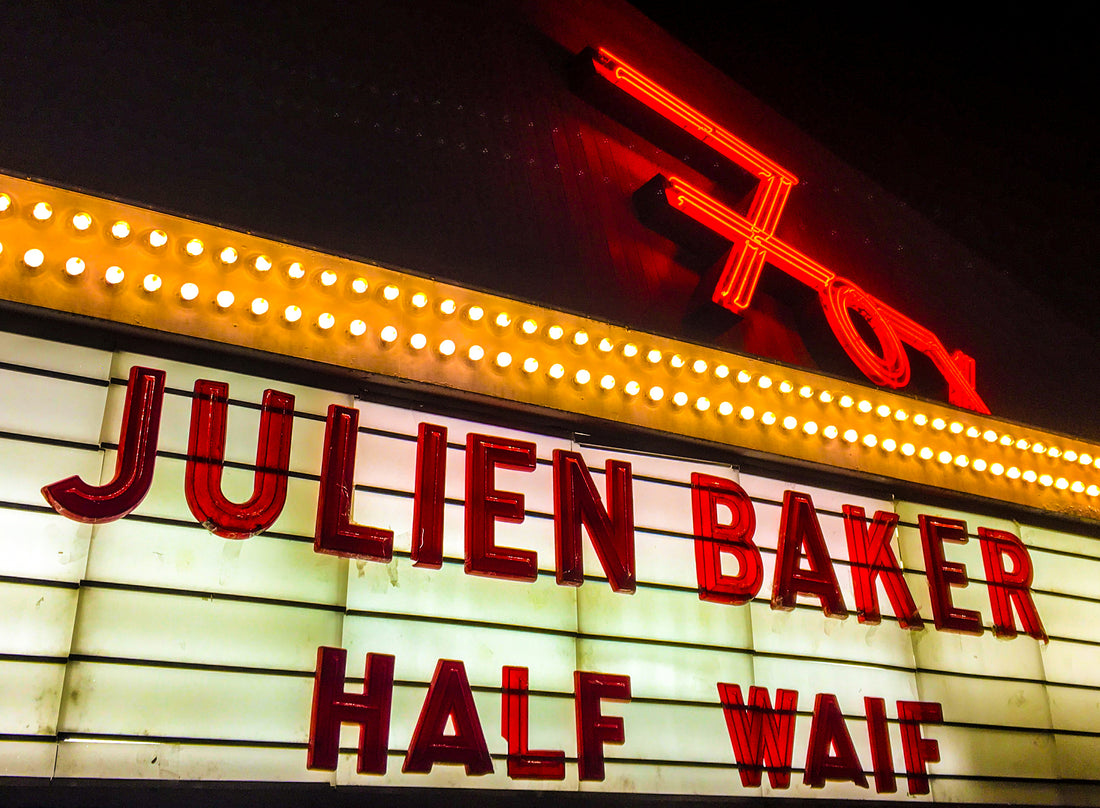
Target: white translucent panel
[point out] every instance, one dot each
(1041, 538)
(1074, 708)
(36, 620)
(160, 702)
(667, 672)
(1064, 574)
(849, 683)
(659, 467)
(400, 588)
(1071, 663)
(418, 645)
(174, 628)
(992, 752)
(42, 545)
(825, 500)
(50, 408)
(387, 461)
(973, 596)
(660, 614)
(993, 702)
(667, 731)
(1067, 617)
(980, 656)
(17, 349)
(177, 557)
(27, 758)
(126, 760)
(808, 632)
(31, 694)
(1078, 757)
(657, 505)
(25, 467)
(1002, 792)
(664, 559)
(909, 511)
(669, 778)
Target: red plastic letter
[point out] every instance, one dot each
(879, 735)
(428, 498)
(485, 505)
(336, 534)
(918, 751)
(137, 454)
(594, 729)
(577, 502)
(202, 482)
(762, 737)
(333, 707)
(798, 529)
(1006, 588)
(524, 763)
(449, 697)
(828, 731)
(713, 539)
(942, 575)
(872, 557)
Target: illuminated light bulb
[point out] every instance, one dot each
(1030, 476)
(962, 461)
(606, 345)
(419, 300)
(81, 221)
(920, 419)
(1078, 487)
(1054, 451)
(555, 332)
(699, 366)
(744, 377)
(632, 388)
(630, 350)
(1046, 480)
(882, 411)
(228, 256)
(864, 406)
(224, 298)
(503, 359)
(189, 291)
(476, 353)
(908, 449)
(944, 457)
(1006, 440)
(194, 248)
(972, 432)
(654, 356)
(785, 387)
(580, 339)
(529, 326)
(157, 239)
(901, 415)
(926, 453)
(850, 435)
(997, 469)
(939, 424)
(391, 293)
(722, 372)
(810, 428)
(1038, 448)
(293, 314)
(5, 203)
(1085, 459)
(846, 401)
(747, 413)
(607, 382)
(42, 211)
(725, 408)
(473, 314)
(328, 278)
(702, 403)
(680, 399)
(582, 377)
(447, 347)
(790, 422)
(1093, 490)
(34, 258)
(870, 441)
(151, 282)
(261, 263)
(1023, 445)
(259, 306)
(830, 432)
(764, 382)
(825, 397)
(979, 464)
(530, 364)
(503, 320)
(956, 428)
(889, 445)
(556, 371)
(655, 393)
(359, 286)
(295, 271)
(447, 307)
(418, 342)
(114, 275)
(326, 321)
(767, 419)
(74, 266)
(388, 335)
(676, 361)
(1070, 455)
(989, 436)
(805, 391)
(358, 328)
(1061, 483)
(1013, 473)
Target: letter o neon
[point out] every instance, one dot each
(840, 298)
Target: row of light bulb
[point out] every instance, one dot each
(120, 230)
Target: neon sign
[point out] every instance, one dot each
(754, 242)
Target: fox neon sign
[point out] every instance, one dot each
(755, 243)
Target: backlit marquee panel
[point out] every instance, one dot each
(150, 648)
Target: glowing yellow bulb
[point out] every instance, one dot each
(1046, 481)
(261, 263)
(825, 397)
(722, 372)
(605, 345)
(889, 444)
(702, 403)
(1023, 444)
(680, 398)
(476, 353)
(1013, 473)
(326, 321)
(157, 239)
(920, 419)
(747, 413)
(114, 275)
(725, 408)
(582, 376)
(790, 422)
(989, 436)
(295, 271)
(224, 298)
(830, 432)
(805, 391)
(632, 388)
(328, 278)
(358, 328)
(607, 382)
(744, 377)
(530, 364)
(630, 350)
(259, 306)
(1093, 490)
(151, 282)
(699, 366)
(34, 258)
(901, 415)
(997, 469)
(388, 335)
(944, 457)
(810, 428)
(81, 221)
(656, 393)
(1078, 487)
(418, 342)
(389, 292)
(419, 300)
(189, 291)
(556, 371)
(474, 313)
(1030, 476)
(764, 382)
(979, 464)
(555, 332)
(447, 307)
(767, 419)
(908, 449)
(503, 359)
(359, 286)
(228, 256)
(851, 435)
(962, 461)
(1006, 440)
(785, 387)
(926, 453)
(676, 361)
(846, 401)
(293, 314)
(1085, 459)
(5, 203)
(74, 266)
(580, 339)
(1070, 455)
(447, 347)
(972, 432)
(503, 320)
(42, 211)
(938, 424)
(956, 428)
(864, 406)
(194, 248)
(1054, 451)
(882, 411)
(870, 441)
(653, 356)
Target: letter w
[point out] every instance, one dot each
(762, 737)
